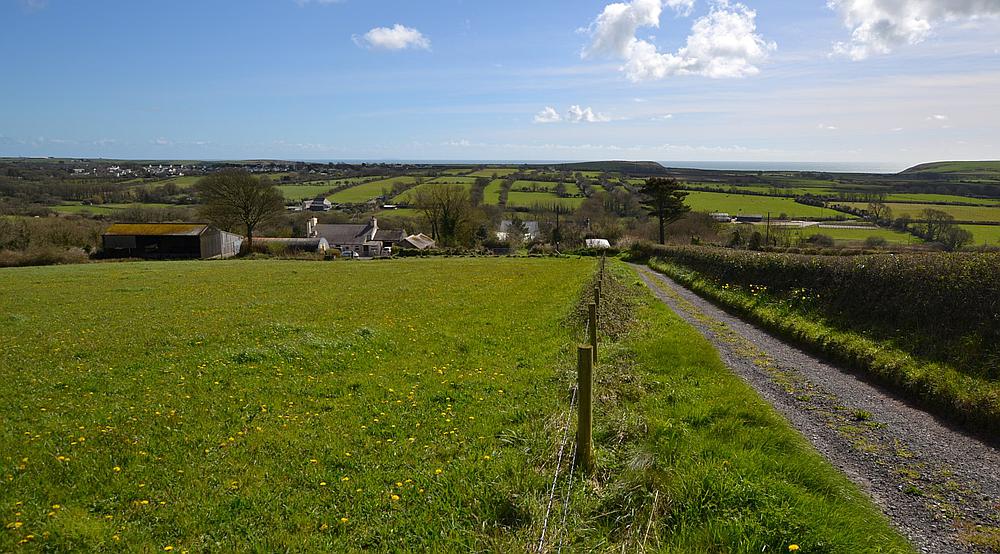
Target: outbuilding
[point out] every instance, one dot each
(169, 241)
(315, 244)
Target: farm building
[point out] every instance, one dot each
(749, 218)
(267, 244)
(419, 242)
(531, 229)
(169, 241)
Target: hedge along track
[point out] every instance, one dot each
(939, 486)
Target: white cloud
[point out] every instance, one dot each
(682, 7)
(575, 114)
(665, 117)
(937, 117)
(722, 44)
(548, 115)
(825, 127)
(579, 115)
(879, 26)
(398, 37)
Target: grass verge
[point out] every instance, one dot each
(690, 459)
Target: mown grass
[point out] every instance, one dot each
(229, 406)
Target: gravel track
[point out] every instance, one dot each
(938, 485)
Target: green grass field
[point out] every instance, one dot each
(984, 234)
(409, 195)
(858, 235)
(931, 198)
(366, 191)
(106, 209)
(489, 172)
(739, 204)
(491, 194)
(571, 188)
(178, 406)
(305, 192)
(545, 199)
(452, 181)
(960, 213)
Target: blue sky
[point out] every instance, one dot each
(897, 81)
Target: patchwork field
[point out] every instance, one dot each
(984, 234)
(548, 200)
(741, 204)
(174, 406)
(960, 213)
(858, 235)
(305, 192)
(106, 209)
(366, 191)
(490, 172)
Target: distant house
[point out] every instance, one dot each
(419, 241)
(749, 218)
(531, 230)
(318, 204)
(721, 217)
(169, 241)
(315, 244)
(362, 239)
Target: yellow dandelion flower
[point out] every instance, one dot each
(394, 498)
(793, 548)
(322, 483)
(345, 479)
(343, 520)
(438, 471)
(117, 469)
(168, 548)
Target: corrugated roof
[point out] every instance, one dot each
(157, 229)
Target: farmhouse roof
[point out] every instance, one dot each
(157, 229)
(293, 241)
(344, 233)
(390, 235)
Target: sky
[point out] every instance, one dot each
(896, 82)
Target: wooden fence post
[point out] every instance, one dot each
(585, 405)
(592, 328)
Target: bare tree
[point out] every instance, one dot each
(447, 208)
(234, 197)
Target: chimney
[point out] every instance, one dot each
(374, 224)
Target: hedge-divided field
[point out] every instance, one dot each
(924, 323)
(402, 405)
